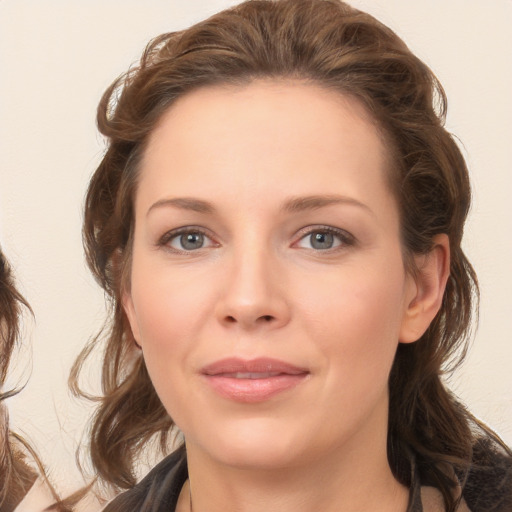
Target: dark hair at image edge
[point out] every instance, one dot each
(326, 43)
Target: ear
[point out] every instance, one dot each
(426, 290)
(129, 310)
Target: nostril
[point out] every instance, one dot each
(230, 319)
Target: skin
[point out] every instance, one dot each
(258, 287)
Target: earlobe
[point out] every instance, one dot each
(429, 283)
(129, 310)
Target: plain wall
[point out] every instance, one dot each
(56, 58)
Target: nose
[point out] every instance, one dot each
(254, 293)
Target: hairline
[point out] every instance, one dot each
(391, 159)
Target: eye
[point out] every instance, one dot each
(323, 239)
(186, 240)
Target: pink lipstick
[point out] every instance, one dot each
(253, 380)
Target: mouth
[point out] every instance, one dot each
(250, 375)
(251, 381)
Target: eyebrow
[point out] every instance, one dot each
(299, 204)
(184, 203)
(293, 205)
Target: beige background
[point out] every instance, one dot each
(56, 58)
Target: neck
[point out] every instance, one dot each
(342, 481)
(298, 493)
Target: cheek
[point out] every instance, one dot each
(165, 320)
(374, 292)
(173, 306)
(355, 318)
(166, 311)
(167, 302)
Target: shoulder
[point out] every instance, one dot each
(485, 483)
(91, 502)
(488, 487)
(432, 501)
(485, 487)
(159, 490)
(38, 498)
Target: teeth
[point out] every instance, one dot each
(253, 375)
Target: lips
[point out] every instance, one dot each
(251, 381)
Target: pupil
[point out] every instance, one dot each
(322, 240)
(191, 241)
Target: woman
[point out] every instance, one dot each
(24, 485)
(16, 476)
(20, 488)
(278, 220)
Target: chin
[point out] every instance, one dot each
(255, 444)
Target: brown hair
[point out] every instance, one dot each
(16, 477)
(331, 44)
(18, 459)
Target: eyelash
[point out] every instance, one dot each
(165, 240)
(345, 238)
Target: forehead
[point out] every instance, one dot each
(214, 105)
(293, 134)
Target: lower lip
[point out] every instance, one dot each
(253, 390)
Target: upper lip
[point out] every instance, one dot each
(260, 365)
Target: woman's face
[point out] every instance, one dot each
(268, 291)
